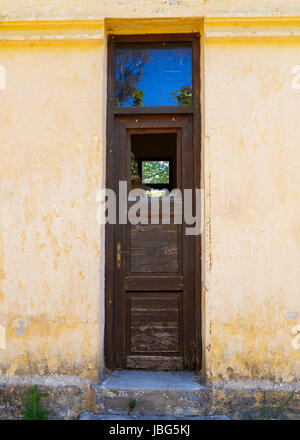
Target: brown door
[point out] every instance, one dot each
(152, 265)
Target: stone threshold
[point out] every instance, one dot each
(151, 380)
(108, 416)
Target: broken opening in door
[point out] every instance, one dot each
(154, 162)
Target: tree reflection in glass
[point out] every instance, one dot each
(129, 71)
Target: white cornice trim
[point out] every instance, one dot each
(253, 28)
(215, 28)
(52, 30)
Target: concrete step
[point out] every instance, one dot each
(159, 393)
(108, 416)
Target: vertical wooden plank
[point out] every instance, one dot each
(109, 229)
(121, 172)
(188, 251)
(197, 184)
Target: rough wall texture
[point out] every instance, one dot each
(84, 9)
(252, 179)
(50, 167)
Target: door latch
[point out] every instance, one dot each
(119, 252)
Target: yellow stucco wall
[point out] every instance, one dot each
(252, 179)
(52, 118)
(86, 9)
(51, 142)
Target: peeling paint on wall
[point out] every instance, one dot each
(2, 338)
(296, 339)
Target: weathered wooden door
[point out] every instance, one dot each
(150, 267)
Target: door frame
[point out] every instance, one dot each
(112, 111)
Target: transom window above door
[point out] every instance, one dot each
(153, 74)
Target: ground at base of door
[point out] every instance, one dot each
(107, 416)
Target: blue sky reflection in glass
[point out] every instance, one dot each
(153, 75)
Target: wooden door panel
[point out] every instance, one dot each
(154, 323)
(162, 236)
(155, 362)
(154, 283)
(154, 302)
(147, 260)
(154, 248)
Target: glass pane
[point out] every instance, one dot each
(155, 171)
(153, 75)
